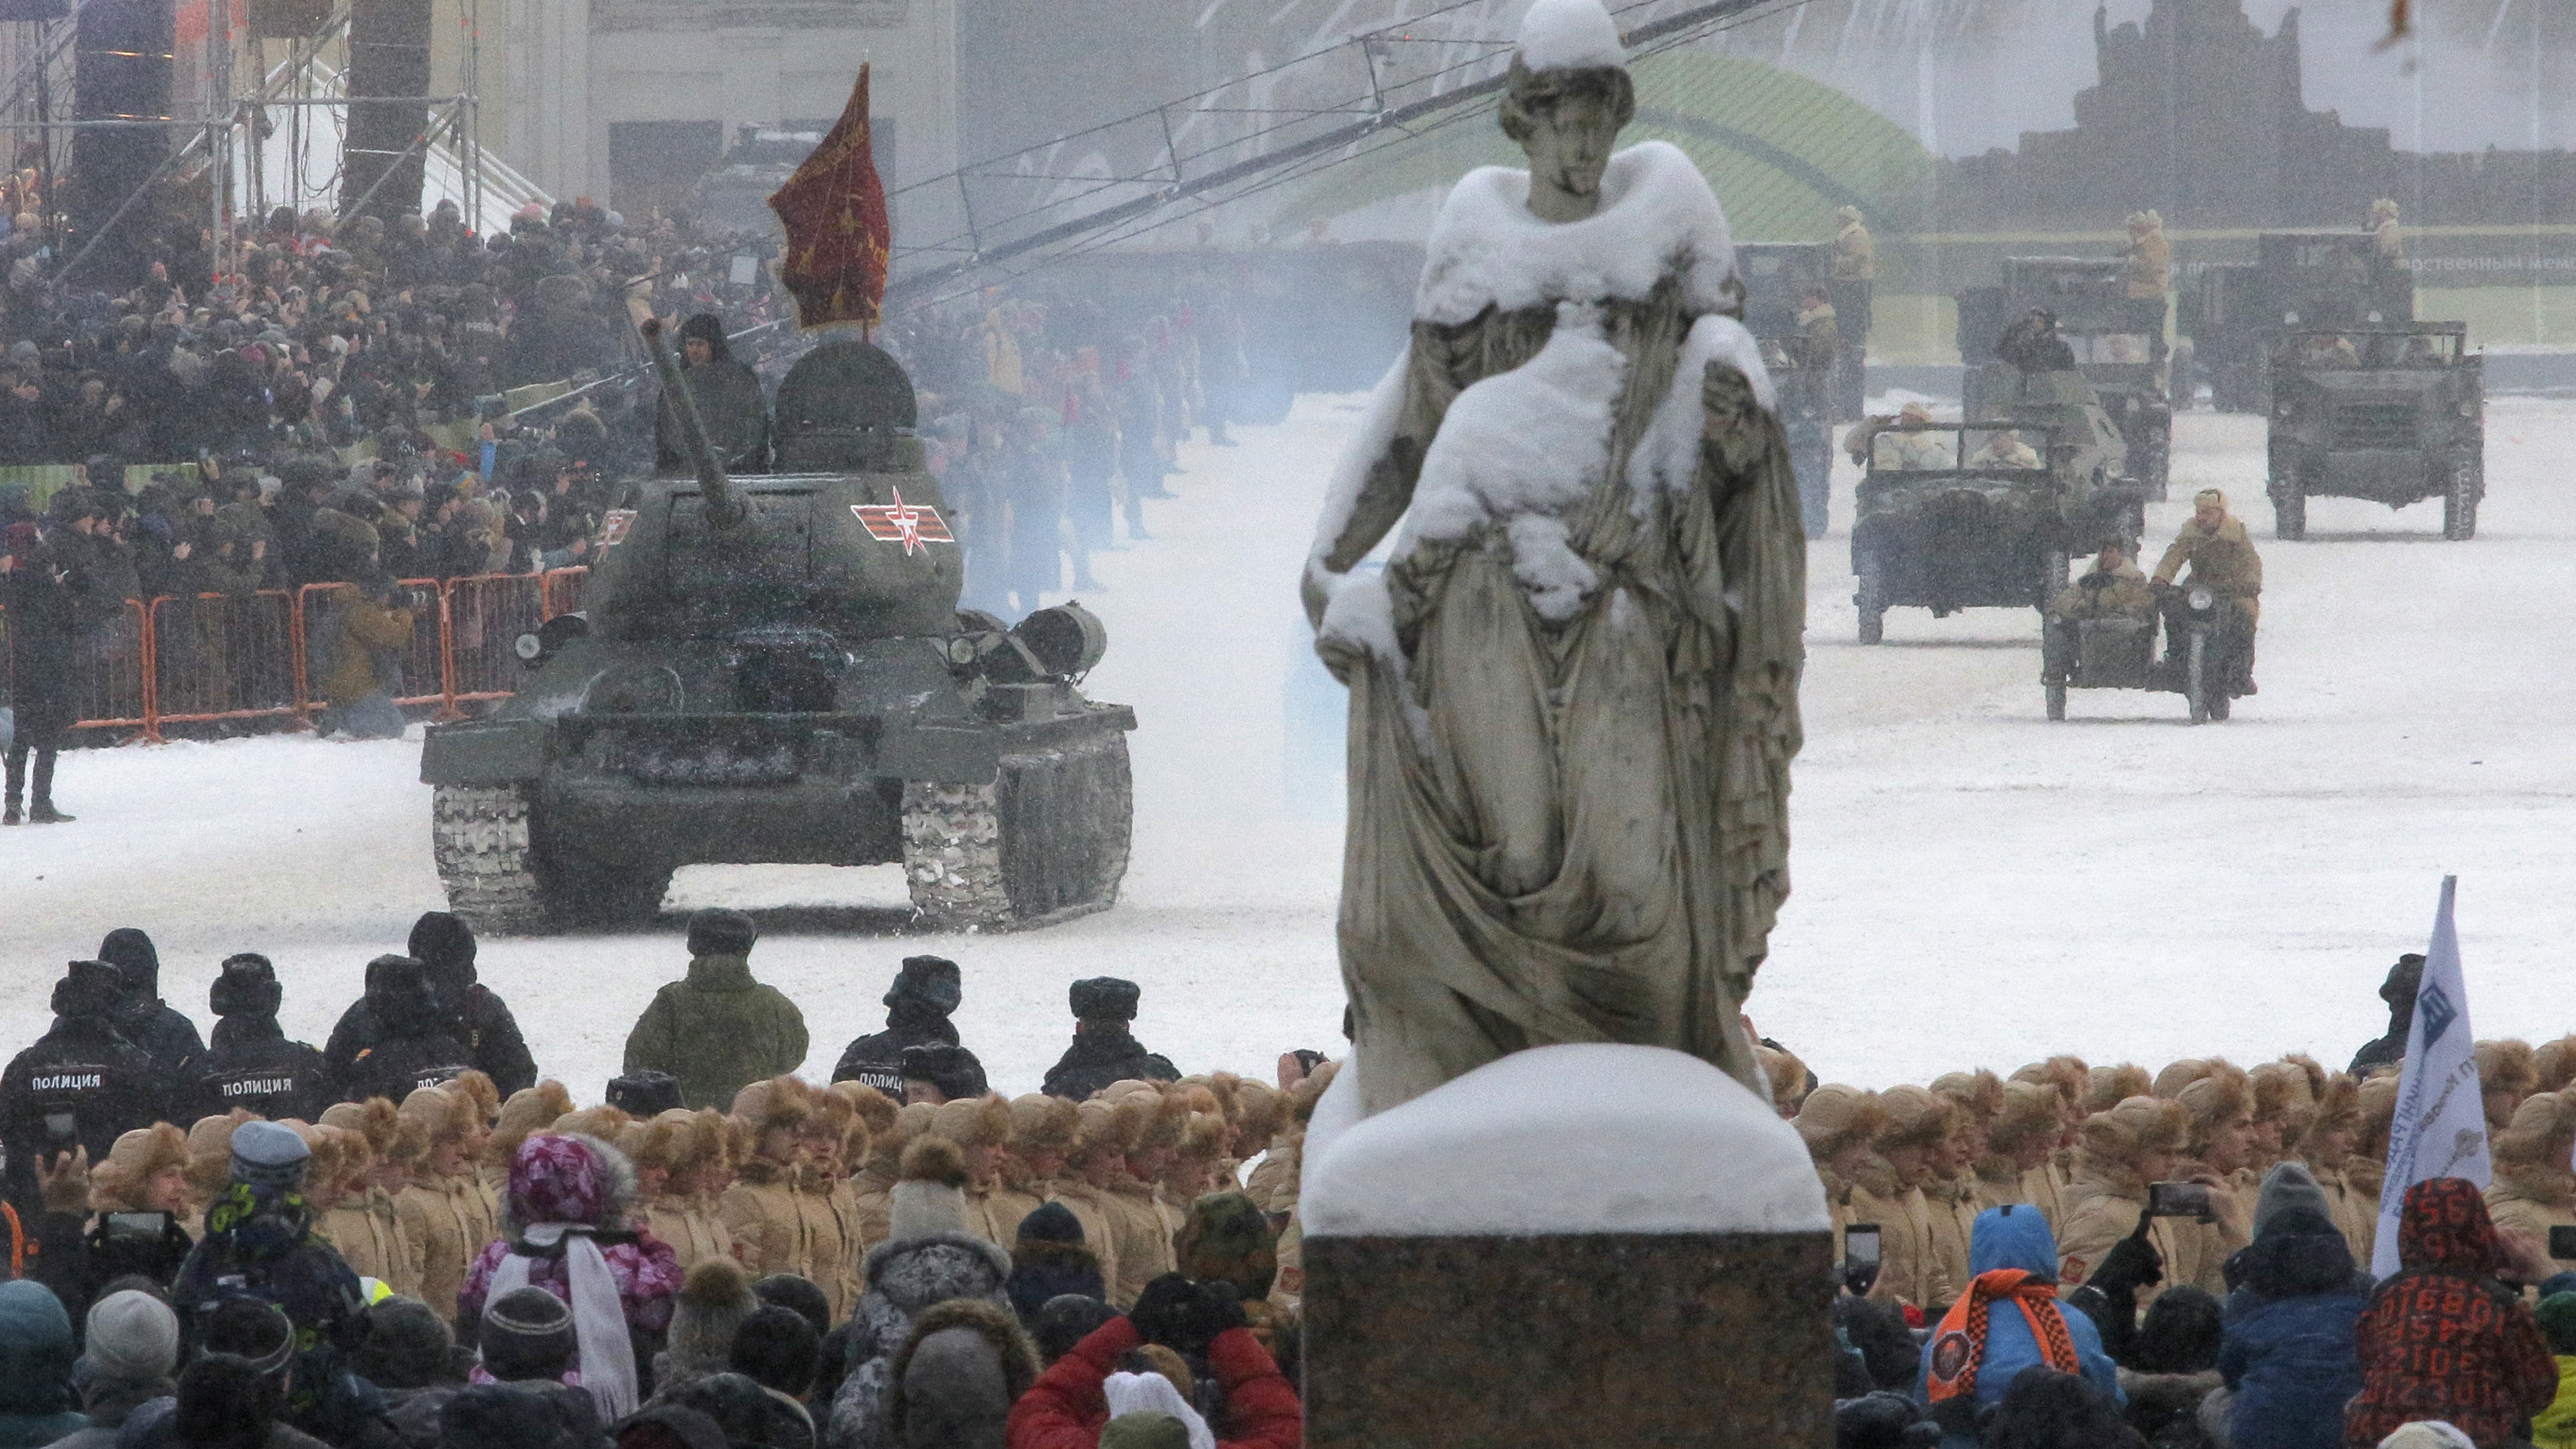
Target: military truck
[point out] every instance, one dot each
(2392, 414)
(1983, 514)
(1775, 276)
(2118, 343)
(775, 669)
(2311, 279)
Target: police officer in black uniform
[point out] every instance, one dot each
(251, 1064)
(414, 1048)
(79, 1086)
(1104, 1050)
(925, 993)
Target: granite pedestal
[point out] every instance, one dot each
(1501, 1264)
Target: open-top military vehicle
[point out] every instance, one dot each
(1776, 276)
(774, 669)
(2118, 342)
(2392, 414)
(2313, 279)
(1981, 515)
(2120, 653)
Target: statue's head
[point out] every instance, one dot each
(1568, 94)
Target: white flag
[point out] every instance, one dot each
(2441, 1126)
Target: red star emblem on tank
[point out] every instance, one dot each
(913, 526)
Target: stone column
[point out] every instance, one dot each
(1599, 1245)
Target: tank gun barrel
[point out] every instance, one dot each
(724, 506)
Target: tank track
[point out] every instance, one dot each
(952, 854)
(1046, 842)
(480, 838)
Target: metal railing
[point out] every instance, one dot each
(204, 658)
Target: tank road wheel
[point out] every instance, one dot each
(2460, 502)
(2195, 678)
(479, 836)
(1046, 842)
(1871, 596)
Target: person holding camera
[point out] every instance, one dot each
(2534, 1192)
(2122, 1153)
(372, 628)
(77, 1087)
(1204, 1323)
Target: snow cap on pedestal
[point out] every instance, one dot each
(1570, 35)
(1590, 1138)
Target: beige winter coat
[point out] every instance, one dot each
(1143, 1236)
(2104, 1203)
(692, 1229)
(369, 1234)
(831, 1259)
(1909, 1266)
(2528, 1201)
(768, 1227)
(449, 1220)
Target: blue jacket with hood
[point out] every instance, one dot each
(2018, 1237)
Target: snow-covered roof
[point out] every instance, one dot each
(1592, 1138)
(1657, 217)
(1570, 35)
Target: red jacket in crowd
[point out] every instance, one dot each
(1065, 1409)
(2444, 1338)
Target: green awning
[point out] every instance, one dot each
(1781, 151)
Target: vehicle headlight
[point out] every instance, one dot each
(2200, 599)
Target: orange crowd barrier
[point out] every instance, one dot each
(223, 656)
(211, 657)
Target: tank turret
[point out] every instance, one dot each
(774, 669)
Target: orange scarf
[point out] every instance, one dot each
(1959, 1346)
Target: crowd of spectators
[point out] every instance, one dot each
(407, 1239)
(2097, 1256)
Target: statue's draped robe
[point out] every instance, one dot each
(1573, 832)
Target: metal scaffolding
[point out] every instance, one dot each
(252, 142)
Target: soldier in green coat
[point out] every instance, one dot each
(718, 1031)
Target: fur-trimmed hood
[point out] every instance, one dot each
(1000, 1331)
(922, 1271)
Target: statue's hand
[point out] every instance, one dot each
(1315, 590)
(1344, 659)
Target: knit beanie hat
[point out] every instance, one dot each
(134, 1336)
(527, 1334)
(1051, 1223)
(407, 1346)
(268, 1154)
(1153, 1397)
(2558, 1321)
(1144, 1429)
(714, 1300)
(930, 1200)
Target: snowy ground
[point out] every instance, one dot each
(1974, 885)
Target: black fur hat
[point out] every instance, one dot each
(247, 987)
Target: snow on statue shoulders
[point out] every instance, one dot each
(1657, 218)
(1523, 449)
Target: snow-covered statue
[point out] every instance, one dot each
(1574, 688)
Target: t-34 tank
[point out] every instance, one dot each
(774, 669)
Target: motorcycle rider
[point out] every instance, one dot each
(2222, 560)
